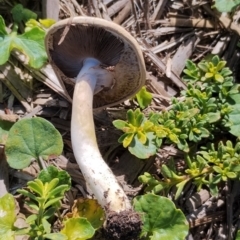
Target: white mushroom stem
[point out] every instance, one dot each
(96, 172)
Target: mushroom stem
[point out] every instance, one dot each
(96, 172)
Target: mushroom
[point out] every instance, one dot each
(106, 65)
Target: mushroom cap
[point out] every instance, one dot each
(70, 41)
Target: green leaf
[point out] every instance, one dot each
(7, 217)
(218, 77)
(238, 235)
(234, 116)
(143, 151)
(4, 129)
(89, 209)
(3, 30)
(128, 139)
(55, 236)
(31, 44)
(143, 97)
(226, 5)
(51, 172)
(78, 229)
(120, 124)
(30, 139)
(20, 14)
(213, 117)
(47, 23)
(161, 219)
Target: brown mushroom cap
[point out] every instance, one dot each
(70, 41)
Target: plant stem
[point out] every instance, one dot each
(96, 172)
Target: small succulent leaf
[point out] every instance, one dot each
(30, 139)
(142, 137)
(209, 75)
(3, 30)
(219, 78)
(32, 218)
(180, 187)
(120, 124)
(131, 117)
(139, 119)
(55, 236)
(58, 191)
(4, 129)
(122, 137)
(155, 218)
(203, 67)
(190, 65)
(215, 60)
(128, 139)
(144, 98)
(213, 117)
(46, 225)
(78, 229)
(217, 169)
(7, 217)
(143, 151)
(51, 172)
(36, 187)
(52, 202)
(27, 194)
(231, 175)
(51, 185)
(49, 213)
(221, 65)
(226, 72)
(89, 209)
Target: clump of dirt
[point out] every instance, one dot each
(123, 226)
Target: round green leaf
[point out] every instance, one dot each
(78, 229)
(143, 151)
(30, 139)
(161, 219)
(7, 217)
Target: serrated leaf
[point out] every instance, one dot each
(7, 217)
(89, 209)
(78, 229)
(30, 139)
(20, 14)
(161, 219)
(51, 172)
(31, 44)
